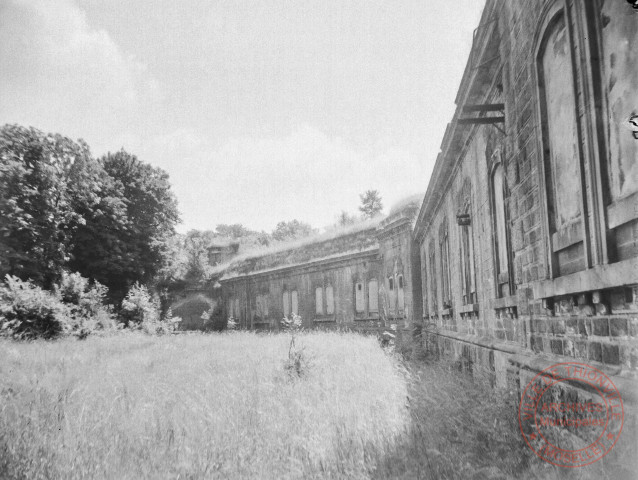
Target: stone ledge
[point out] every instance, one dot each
(504, 302)
(469, 308)
(596, 278)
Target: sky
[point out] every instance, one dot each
(260, 111)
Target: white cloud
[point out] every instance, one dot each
(60, 74)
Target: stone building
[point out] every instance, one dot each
(361, 277)
(528, 232)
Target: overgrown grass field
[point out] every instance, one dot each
(196, 406)
(226, 406)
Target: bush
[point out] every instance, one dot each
(141, 310)
(86, 304)
(139, 307)
(27, 311)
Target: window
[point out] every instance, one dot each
(392, 296)
(444, 247)
(401, 294)
(500, 229)
(231, 307)
(358, 298)
(330, 301)
(319, 300)
(286, 302)
(261, 304)
(561, 154)
(619, 67)
(424, 278)
(294, 300)
(433, 279)
(373, 296)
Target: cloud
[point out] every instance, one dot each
(259, 181)
(58, 73)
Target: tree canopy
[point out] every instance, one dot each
(371, 204)
(109, 219)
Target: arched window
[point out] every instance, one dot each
(330, 301)
(286, 303)
(433, 278)
(319, 300)
(373, 296)
(561, 145)
(359, 304)
(501, 245)
(294, 301)
(400, 294)
(444, 247)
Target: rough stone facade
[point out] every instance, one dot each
(545, 268)
(362, 278)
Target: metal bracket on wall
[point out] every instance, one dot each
(482, 108)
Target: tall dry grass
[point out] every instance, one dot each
(197, 406)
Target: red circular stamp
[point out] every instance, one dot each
(571, 414)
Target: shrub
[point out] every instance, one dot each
(298, 363)
(27, 311)
(214, 319)
(86, 303)
(141, 310)
(139, 307)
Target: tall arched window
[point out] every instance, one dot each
(373, 296)
(330, 300)
(294, 302)
(286, 302)
(501, 244)
(400, 294)
(319, 300)
(561, 146)
(359, 304)
(444, 248)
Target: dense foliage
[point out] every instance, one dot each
(109, 219)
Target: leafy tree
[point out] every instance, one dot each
(45, 181)
(371, 205)
(291, 229)
(127, 238)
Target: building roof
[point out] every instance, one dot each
(341, 242)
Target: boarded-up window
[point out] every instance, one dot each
(373, 296)
(620, 37)
(286, 302)
(400, 294)
(294, 300)
(424, 278)
(358, 298)
(444, 246)
(433, 278)
(262, 306)
(499, 219)
(231, 307)
(392, 296)
(562, 138)
(319, 301)
(330, 301)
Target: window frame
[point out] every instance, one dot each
(560, 239)
(506, 277)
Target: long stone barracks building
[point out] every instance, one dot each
(362, 277)
(528, 232)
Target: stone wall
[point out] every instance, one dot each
(567, 288)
